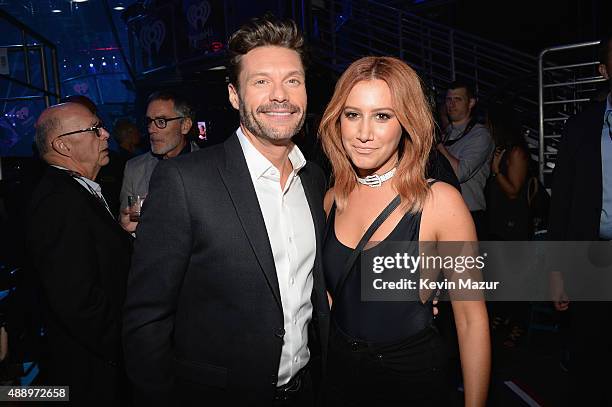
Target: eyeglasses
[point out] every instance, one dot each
(161, 122)
(95, 128)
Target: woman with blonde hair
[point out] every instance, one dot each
(377, 132)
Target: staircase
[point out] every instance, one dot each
(347, 30)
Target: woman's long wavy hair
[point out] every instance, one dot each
(414, 114)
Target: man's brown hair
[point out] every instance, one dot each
(260, 32)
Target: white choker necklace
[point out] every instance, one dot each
(376, 180)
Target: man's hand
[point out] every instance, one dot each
(454, 162)
(557, 292)
(435, 303)
(126, 223)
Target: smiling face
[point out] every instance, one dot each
(271, 96)
(370, 129)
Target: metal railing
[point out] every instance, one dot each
(567, 80)
(36, 52)
(438, 52)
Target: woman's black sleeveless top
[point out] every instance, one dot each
(373, 321)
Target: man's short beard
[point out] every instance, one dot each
(258, 129)
(166, 147)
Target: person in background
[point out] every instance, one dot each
(81, 257)
(507, 207)
(468, 147)
(581, 210)
(128, 138)
(169, 120)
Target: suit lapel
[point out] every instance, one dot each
(314, 196)
(315, 202)
(237, 179)
(98, 206)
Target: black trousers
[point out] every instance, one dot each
(410, 372)
(590, 353)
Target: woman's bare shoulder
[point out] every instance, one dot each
(446, 215)
(444, 195)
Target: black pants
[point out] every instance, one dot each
(304, 396)
(410, 372)
(590, 353)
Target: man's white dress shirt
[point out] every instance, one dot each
(291, 233)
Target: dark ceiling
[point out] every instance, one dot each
(78, 27)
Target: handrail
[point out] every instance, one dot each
(26, 48)
(440, 54)
(472, 38)
(560, 82)
(12, 20)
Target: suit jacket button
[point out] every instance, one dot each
(280, 333)
(273, 379)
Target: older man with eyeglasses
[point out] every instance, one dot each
(168, 120)
(81, 256)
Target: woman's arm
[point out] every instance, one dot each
(513, 181)
(451, 221)
(475, 349)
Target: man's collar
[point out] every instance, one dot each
(453, 129)
(460, 126)
(94, 185)
(258, 164)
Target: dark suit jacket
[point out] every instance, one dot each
(575, 207)
(203, 316)
(81, 256)
(575, 214)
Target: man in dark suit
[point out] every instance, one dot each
(226, 300)
(581, 210)
(81, 256)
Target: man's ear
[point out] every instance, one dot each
(186, 125)
(59, 146)
(472, 103)
(233, 96)
(603, 71)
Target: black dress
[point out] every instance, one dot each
(508, 219)
(382, 353)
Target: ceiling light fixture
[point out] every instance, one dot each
(54, 6)
(119, 7)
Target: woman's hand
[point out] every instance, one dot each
(495, 163)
